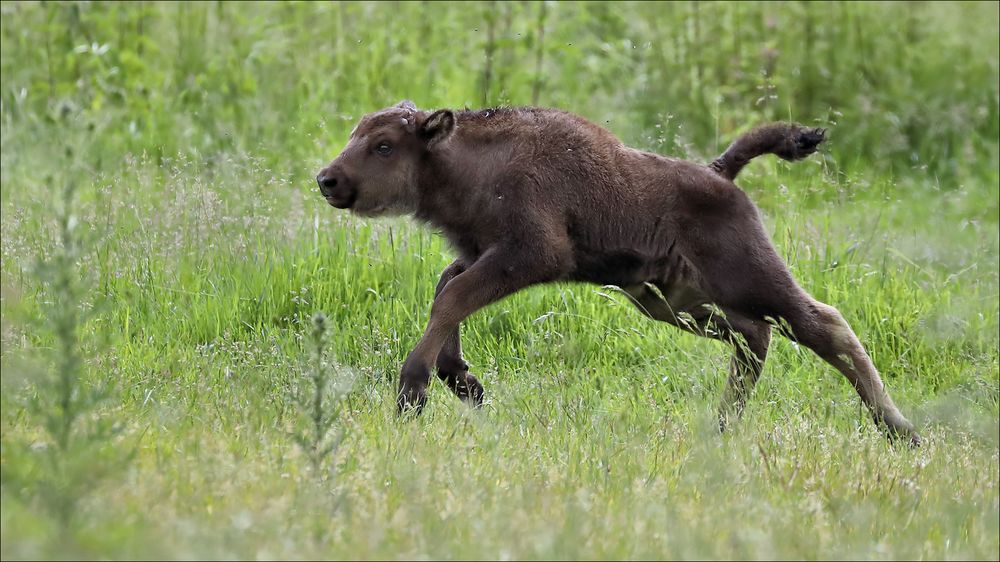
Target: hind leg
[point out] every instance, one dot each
(740, 269)
(688, 309)
(821, 328)
(750, 351)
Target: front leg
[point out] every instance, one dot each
(451, 368)
(499, 272)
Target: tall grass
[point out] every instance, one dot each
(907, 86)
(196, 130)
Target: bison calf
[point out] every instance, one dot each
(529, 196)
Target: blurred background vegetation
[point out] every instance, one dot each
(906, 86)
(164, 392)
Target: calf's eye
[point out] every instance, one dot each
(383, 148)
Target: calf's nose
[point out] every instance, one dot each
(326, 182)
(336, 188)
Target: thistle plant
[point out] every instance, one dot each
(77, 451)
(320, 400)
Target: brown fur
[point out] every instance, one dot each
(529, 196)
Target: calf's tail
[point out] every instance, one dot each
(790, 141)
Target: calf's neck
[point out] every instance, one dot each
(530, 195)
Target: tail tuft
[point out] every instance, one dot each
(789, 141)
(801, 144)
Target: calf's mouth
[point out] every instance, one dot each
(342, 200)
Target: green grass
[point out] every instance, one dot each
(192, 133)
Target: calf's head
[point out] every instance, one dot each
(376, 173)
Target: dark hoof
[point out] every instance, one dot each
(411, 401)
(900, 430)
(472, 391)
(909, 436)
(466, 387)
(911, 439)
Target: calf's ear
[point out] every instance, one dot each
(406, 104)
(437, 127)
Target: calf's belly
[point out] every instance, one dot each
(622, 268)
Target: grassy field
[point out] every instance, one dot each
(166, 393)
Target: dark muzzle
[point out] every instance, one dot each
(335, 189)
